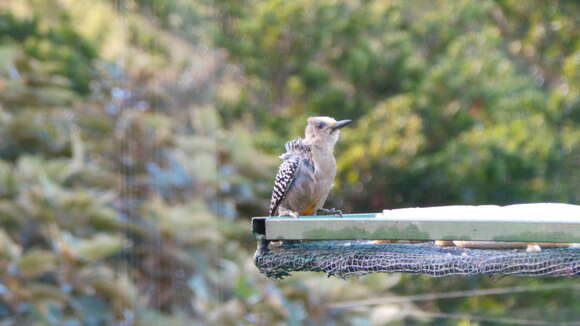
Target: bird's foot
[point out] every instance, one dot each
(294, 214)
(288, 213)
(331, 211)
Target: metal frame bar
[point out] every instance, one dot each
(369, 227)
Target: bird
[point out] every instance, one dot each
(307, 171)
(306, 174)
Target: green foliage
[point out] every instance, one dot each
(449, 109)
(137, 137)
(62, 51)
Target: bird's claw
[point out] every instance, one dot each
(288, 213)
(331, 211)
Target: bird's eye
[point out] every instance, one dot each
(320, 125)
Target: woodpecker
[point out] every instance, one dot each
(307, 172)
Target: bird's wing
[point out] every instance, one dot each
(286, 174)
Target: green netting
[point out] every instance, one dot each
(352, 258)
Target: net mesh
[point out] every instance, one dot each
(353, 258)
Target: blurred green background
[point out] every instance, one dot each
(138, 137)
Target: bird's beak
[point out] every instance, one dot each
(340, 124)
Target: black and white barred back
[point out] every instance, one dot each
(295, 150)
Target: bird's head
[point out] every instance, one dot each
(324, 130)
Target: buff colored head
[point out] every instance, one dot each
(324, 130)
